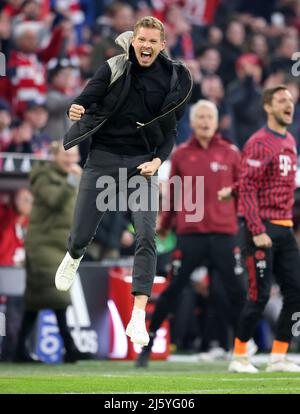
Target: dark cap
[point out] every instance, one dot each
(55, 65)
(33, 104)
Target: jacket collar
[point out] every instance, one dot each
(195, 142)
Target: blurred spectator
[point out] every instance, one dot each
(61, 91)
(198, 13)
(259, 46)
(13, 7)
(36, 115)
(184, 130)
(214, 35)
(5, 32)
(142, 8)
(5, 122)
(213, 90)
(31, 10)
(26, 78)
(232, 47)
(118, 19)
(70, 10)
(244, 96)
(13, 225)
(209, 59)
(295, 18)
(83, 53)
(288, 45)
(180, 42)
(54, 185)
(195, 70)
(21, 138)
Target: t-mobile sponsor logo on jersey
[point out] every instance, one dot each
(285, 165)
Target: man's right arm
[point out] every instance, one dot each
(96, 88)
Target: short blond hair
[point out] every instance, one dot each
(150, 22)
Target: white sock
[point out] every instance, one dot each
(139, 312)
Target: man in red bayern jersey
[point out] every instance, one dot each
(265, 200)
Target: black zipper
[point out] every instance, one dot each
(142, 125)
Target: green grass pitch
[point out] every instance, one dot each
(113, 377)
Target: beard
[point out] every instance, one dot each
(281, 121)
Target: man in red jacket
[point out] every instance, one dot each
(213, 238)
(265, 200)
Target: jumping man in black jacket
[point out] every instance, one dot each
(129, 108)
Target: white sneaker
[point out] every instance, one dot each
(136, 328)
(242, 365)
(282, 365)
(66, 272)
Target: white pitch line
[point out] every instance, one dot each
(260, 379)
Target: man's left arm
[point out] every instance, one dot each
(162, 153)
(53, 49)
(165, 149)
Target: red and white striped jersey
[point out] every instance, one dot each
(267, 178)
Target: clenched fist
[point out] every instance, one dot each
(76, 112)
(225, 194)
(262, 241)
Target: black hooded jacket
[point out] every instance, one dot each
(105, 95)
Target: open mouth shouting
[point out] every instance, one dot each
(288, 113)
(146, 56)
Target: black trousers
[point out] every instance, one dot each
(221, 252)
(138, 194)
(282, 261)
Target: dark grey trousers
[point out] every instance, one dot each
(100, 183)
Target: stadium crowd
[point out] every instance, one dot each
(234, 50)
